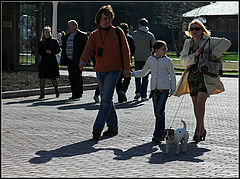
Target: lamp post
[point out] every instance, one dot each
(54, 19)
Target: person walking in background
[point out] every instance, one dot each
(97, 92)
(199, 85)
(63, 37)
(72, 48)
(92, 59)
(104, 41)
(48, 66)
(123, 82)
(163, 84)
(143, 40)
(59, 37)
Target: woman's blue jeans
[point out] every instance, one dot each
(159, 102)
(107, 82)
(141, 83)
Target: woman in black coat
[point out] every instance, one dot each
(48, 66)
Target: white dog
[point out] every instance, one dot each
(175, 137)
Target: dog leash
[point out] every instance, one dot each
(177, 111)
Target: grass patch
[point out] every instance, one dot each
(226, 56)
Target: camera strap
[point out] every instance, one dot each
(104, 37)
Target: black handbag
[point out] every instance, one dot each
(210, 64)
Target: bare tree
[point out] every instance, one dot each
(170, 15)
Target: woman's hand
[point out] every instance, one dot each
(199, 51)
(48, 51)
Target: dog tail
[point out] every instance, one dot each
(184, 123)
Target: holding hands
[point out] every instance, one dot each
(81, 65)
(171, 92)
(126, 73)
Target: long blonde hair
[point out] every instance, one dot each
(42, 35)
(196, 21)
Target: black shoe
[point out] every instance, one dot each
(137, 96)
(96, 134)
(121, 96)
(41, 96)
(96, 99)
(57, 94)
(156, 140)
(74, 98)
(196, 139)
(110, 133)
(121, 100)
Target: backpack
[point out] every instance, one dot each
(120, 44)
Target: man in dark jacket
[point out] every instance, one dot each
(123, 82)
(72, 49)
(143, 40)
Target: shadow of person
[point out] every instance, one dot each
(128, 104)
(139, 150)
(94, 106)
(49, 103)
(22, 102)
(80, 148)
(86, 106)
(190, 155)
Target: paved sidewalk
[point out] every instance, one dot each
(50, 138)
(49, 90)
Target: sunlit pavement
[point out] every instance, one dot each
(51, 138)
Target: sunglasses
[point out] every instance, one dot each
(195, 28)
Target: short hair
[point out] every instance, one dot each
(204, 29)
(124, 27)
(143, 22)
(106, 10)
(73, 22)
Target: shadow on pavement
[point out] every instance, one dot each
(87, 147)
(139, 150)
(159, 157)
(128, 104)
(192, 152)
(23, 101)
(80, 148)
(51, 103)
(95, 106)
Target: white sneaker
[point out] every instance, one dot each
(144, 99)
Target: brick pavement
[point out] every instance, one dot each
(50, 138)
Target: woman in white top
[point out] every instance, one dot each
(200, 85)
(163, 84)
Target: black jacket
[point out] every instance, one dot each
(48, 66)
(79, 42)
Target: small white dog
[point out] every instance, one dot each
(175, 137)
